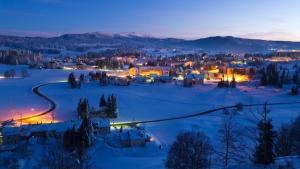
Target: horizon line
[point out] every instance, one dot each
(42, 34)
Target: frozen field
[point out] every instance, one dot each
(141, 102)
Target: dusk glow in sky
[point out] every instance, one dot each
(191, 19)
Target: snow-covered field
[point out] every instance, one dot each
(141, 102)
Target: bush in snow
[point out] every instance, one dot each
(72, 81)
(24, 73)
(191, 150)
(10, 73)
(294, 91)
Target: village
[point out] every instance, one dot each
(105, 101)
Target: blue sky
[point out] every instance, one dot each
(190, 19)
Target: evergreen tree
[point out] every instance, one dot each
(70, 139)
(72, 80)
(226, 83)
(83, 108)
(221, 83)
(233, 82)
(81, 78)
(295, 136)
(296, 79)
(114, 105)
(264, 153)
(283, 144)
(263, 79)
(102, 102)
(108, 107)
(103, 79)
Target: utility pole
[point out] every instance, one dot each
(52, 116)
(21, 118)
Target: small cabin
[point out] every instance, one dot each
(133, 138)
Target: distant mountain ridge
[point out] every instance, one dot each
(217, 44)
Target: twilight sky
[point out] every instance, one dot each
(190, 19)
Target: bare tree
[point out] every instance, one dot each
(191, 150)
(54, 157)
(231, 140)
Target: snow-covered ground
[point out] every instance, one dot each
(141, 102)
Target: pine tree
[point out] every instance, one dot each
(221, 83)
(264, 153)
(102, 102)
(108, 107)
(296, 79)
(72, 80)
(114, 106)
(295, 130)
(79, 107)
(81, 78)
(283, 144)
(226, 83)
(233, 82)
(263, 79)
(70, 139)
(86, 132)
(83, 108)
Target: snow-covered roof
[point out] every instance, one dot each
(133, 134)
(27, 129)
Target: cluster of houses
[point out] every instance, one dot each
(127, 137)
(14, 135)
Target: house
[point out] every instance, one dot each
(192, 79)
(13, 135)
(133, 138)
(148, 70)
(53, 65)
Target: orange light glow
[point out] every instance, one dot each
(188, 63)
(238, 78)
(279, 59)
(147, 72)
(213, 71)
(132, 71)
(27, 117)
(36, 120)
(196, 72)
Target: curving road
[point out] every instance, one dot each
(52, 104)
